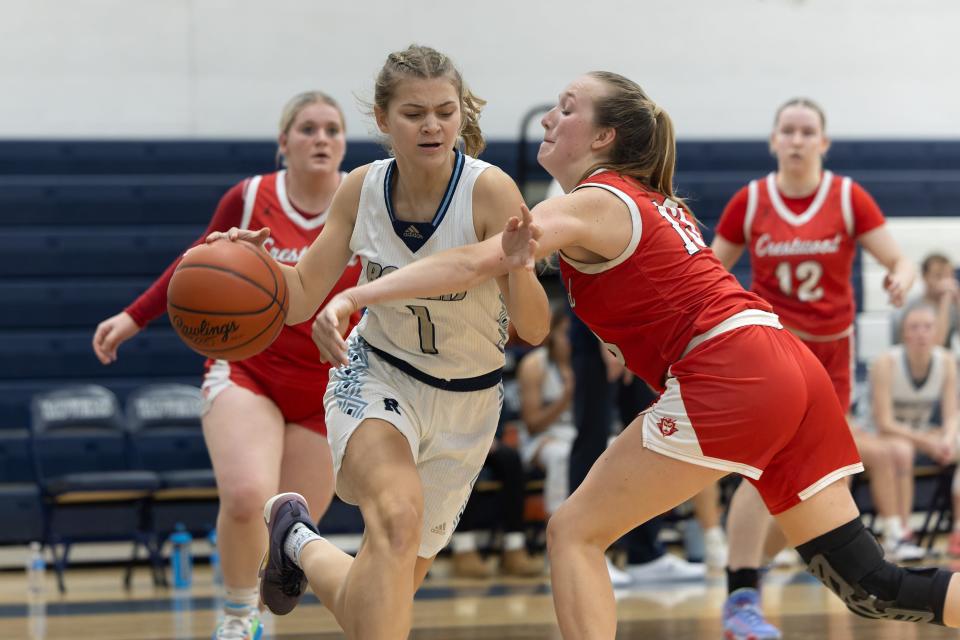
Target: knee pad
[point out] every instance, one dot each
(850, 562)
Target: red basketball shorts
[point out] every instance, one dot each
(298, 396)
(755, 401)
(836, 356)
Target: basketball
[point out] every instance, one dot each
(227, 300)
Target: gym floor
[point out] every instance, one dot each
(96, 606)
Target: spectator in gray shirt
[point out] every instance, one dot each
(941, 291)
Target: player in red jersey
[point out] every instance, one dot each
(801, 226)
(264, 420)
(738, 393)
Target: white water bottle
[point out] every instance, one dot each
(36, 570)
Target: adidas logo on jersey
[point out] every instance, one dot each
(440, 529)
(412, 232)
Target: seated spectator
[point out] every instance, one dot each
(545, 379)
(505, 466)
(906, 385)
(941, 291)
(889, 463)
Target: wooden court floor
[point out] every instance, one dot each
(96, 607)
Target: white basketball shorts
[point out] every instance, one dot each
(449, 432)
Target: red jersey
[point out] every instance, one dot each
(802, 249)
(261, 201)
(665, 288)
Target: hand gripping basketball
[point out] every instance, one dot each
(234, 234)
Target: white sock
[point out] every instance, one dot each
(714, 534)
(240, 601)
(463, 542)
(514, 540)
(298, 537)
(893, 529)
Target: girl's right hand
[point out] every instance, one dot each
(235, 234)
(111, 333)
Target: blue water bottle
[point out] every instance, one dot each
(181, 560)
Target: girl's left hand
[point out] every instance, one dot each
(519, 240)
(895, 288)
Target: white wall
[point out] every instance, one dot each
(211, 68)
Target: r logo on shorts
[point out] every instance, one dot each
(390, 404)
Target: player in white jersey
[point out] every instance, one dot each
(907, 383)
(412, 412)
(545, 378)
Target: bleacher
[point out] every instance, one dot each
(85, 226)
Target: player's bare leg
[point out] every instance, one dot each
(748, 524)
(247, 474)
(751, 533)
(371, 595)
(706, 509)
(307, 468)
(775, 542)
(624, 488)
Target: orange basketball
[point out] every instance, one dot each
(227, 300)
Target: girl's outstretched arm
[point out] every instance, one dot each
(457, 269)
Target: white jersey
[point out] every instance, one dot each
(459, 335)
(562, 429)
(914, 400)
(553, 386)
